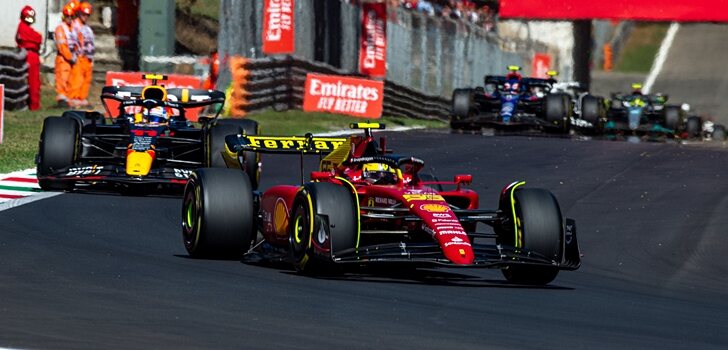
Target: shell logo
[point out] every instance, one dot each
(280, 217)
(434, 208)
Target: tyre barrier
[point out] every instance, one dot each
(14, 75)
(278, 83)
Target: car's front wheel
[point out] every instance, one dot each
(324, 222)
(538, 229)
(217, 214)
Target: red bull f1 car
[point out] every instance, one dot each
(147, 142)
(365, 206)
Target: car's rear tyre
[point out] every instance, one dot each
(324, 222)
(556, 108)
(693, 127)
(672, 117)
(719, 133)
(538, 218)
(462, 102)
(218, 214)
(58, 149)
(591, 111)
(225, 127)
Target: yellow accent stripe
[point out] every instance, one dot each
(358, 208)
(518, 242)
(310, 212)
(185, 95)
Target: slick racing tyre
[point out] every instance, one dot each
(324, 222)
(538, 220)
(672, 117)
(591, 111)
(462, 103)
(719, 133)
(694, 127)
(216, 146)
(58, 149)
(217, 214)
(556, 107)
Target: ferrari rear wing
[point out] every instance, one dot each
(307, 144)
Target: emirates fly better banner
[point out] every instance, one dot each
(278, 36)
(343, 95)
(541, 65)
(373, 51)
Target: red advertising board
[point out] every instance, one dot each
(644, 10)
(278, 27)
(343, 95)
(373, 49)
(2, 111)
(541, 65)
(173, 81)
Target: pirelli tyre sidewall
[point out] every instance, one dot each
(539, 229)
(216, 145)
(324, 221)
(719, 133)
(218, 218)
(673, 118)
(58, 149)
(694, 127)
(592, 111)
(462, 103)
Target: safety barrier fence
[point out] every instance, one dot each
(14, 75)
(279, 82)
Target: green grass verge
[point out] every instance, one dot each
(22, 129)
(640, 49)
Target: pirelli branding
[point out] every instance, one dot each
(294, 143)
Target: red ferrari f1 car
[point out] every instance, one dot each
(366, 206)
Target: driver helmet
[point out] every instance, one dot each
(638, 102)
(379, 173)
(512, 86)
(156, 115)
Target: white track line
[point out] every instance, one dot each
(25, 200)
(661, 57)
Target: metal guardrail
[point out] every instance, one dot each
(278, 83)
(14, 75)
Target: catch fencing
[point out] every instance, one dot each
(14, 75)
(278, 83)
(426, 56)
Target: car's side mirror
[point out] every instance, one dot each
(463, 179)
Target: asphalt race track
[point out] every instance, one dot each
(694, 70)
(106, 271)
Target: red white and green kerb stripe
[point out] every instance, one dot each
(18, 185)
